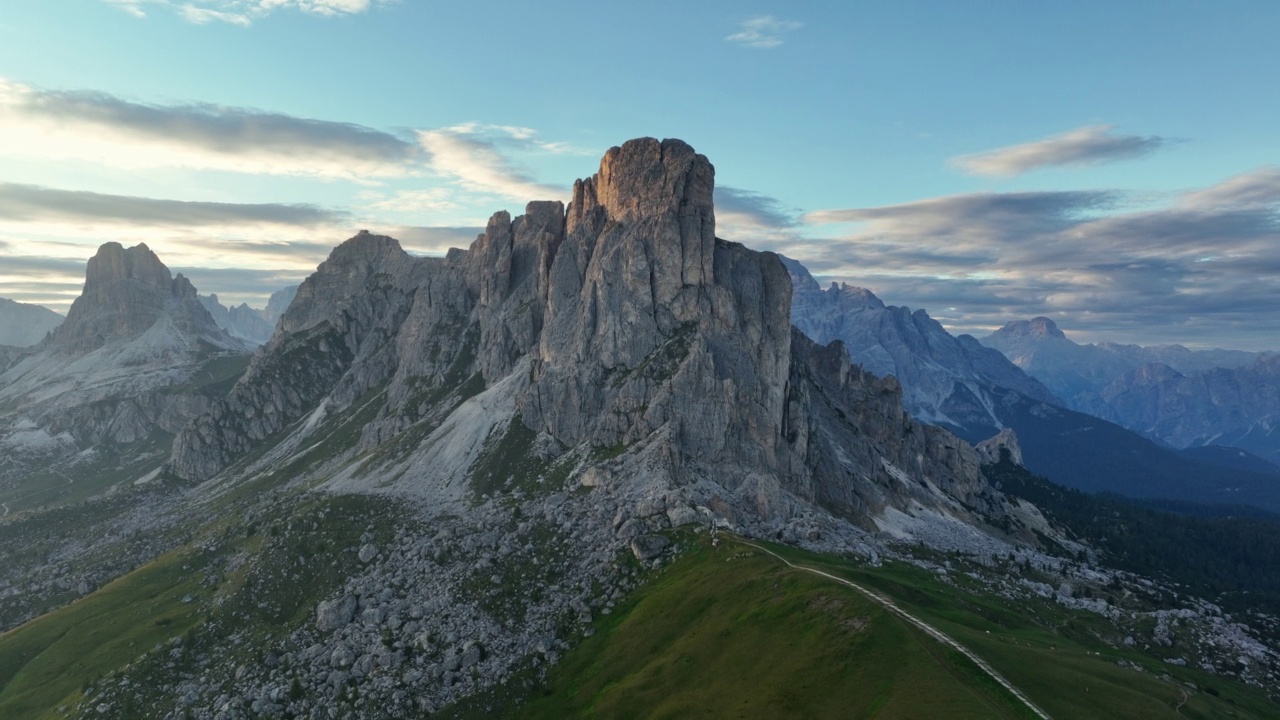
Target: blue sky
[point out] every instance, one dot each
(1110, 165)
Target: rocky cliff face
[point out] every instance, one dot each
(23, 325)
(619, 326)
(946, 380)
(126, 292)
(278, 303)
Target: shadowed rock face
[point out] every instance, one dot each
(620, 321)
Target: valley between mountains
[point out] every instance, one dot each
(570, 471)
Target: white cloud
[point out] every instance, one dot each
(96, 127)
(1203, 268)
(133, 7)
(469, 154)
(763, 32)
(1252, 190)
(1082, 146)
(411, 201)
(244, 12)
(201, 16)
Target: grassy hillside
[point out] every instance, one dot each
(729, 632)
(1069, 662)
(235, 589)
(723, 631)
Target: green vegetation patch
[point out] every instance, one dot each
(47, 662)
(1067, 661)
(731, 632)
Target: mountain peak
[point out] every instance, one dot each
(126, 291)
(646, 177)
(847, 297)
(1035, 327)
(114, 263)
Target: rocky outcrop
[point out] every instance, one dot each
(653, 323)
(993, 449)
(946, 380)
(23, 325)
(620, 324)
(278, 303)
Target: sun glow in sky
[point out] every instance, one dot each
(1114, 166)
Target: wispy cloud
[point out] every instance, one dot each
(30, 203)
(763, 32)
(1084, 146)
(754, 218)
(242, 12)
(84, 125)
(1203, 268)
(435, 240)
(204, 15)
(472, 155)
(410, 201)
(133, 7)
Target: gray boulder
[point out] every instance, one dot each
(335, 614)
(648, 547)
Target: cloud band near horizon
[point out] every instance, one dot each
(1083, 146)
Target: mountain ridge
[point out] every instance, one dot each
(1179, 397)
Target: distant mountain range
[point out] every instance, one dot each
(23, 325)
(1180, 397)
(946, 380)
(975, 391)
(248, 324)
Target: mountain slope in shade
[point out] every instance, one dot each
(946, 380)
(1230, 457)
(22, 325)
(1088, 453)
(1071, 448)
